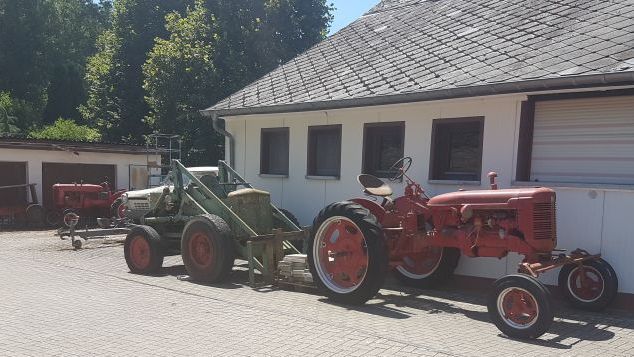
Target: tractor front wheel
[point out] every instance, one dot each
(207, 249)
(117, 209)
(142, 250)
(589, 286)
(520, 306)
(428, 268)
(347, 254)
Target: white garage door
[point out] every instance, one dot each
(587, 140)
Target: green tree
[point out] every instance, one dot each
(216, 48)
(116, 103)
(40, 39)
(66, 129)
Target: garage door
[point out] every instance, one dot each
(12, 173)
(53, 173)
(587, 140)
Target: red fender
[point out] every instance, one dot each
(373, 207)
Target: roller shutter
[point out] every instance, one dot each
(588, 140)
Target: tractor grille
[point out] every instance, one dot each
(544, 223)
(140, 205)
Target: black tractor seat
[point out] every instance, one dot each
(374, 186)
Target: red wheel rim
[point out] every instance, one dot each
(518, 308)
(341, 253)
(140, 252)
(121, 211)
(71, 219)
(201, 250)
(421, 265)
(586, 283)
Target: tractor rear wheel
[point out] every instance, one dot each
(429, 268)
(207, 249)
(520, 306)
(347, 254)
(142, 250)
(591, 286)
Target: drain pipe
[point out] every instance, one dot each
(215, 119)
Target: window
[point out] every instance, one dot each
(274, 151)
(456, 149)
(382, 147)
(324, 150)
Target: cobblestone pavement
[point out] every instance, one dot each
(56, 301)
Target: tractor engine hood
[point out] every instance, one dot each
(539, 194)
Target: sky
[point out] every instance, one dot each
(348, 11)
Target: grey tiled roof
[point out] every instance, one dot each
(405, 47)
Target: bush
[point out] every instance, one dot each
(66, 129)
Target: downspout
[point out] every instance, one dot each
(215, 119)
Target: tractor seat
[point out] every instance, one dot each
(374, 186)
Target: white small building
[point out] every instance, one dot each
(540, 92)
(46, 163)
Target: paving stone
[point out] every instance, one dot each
(59, 302)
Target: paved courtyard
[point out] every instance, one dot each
(58, 302)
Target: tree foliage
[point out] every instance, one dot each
(43, 48)
(216, 48)
(130, 67)
(116, 100)
(68, 130)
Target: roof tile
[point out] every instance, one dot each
(409, 46)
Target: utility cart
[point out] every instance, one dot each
(211, 220)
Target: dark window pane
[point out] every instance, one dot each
(457, 149)
(274, 151)
(383, 147)
(324, 152)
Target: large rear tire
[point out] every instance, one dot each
(347, 254)
(207, 249)
(591, 287)
(520, 306)
(429, 269)
(143, 251)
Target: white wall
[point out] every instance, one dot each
(593, 219)
(35, 158)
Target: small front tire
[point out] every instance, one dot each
(592, 286)
(143, 251)
(520, 306)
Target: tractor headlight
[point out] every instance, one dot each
(124, 198)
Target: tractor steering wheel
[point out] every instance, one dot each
(400, 168)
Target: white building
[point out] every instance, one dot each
(541, 92)
(46, 163)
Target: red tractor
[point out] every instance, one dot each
(72, 201)
(420, 239)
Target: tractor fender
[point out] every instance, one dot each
(373, 207)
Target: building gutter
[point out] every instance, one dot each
(569, 82)
(215, 119)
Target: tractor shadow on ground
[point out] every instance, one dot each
(569, 328)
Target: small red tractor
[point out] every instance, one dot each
(75, 200)
(421, 239)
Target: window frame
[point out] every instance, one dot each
(264, 161)
(310, 159)
(366, 142)
(436, 124)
